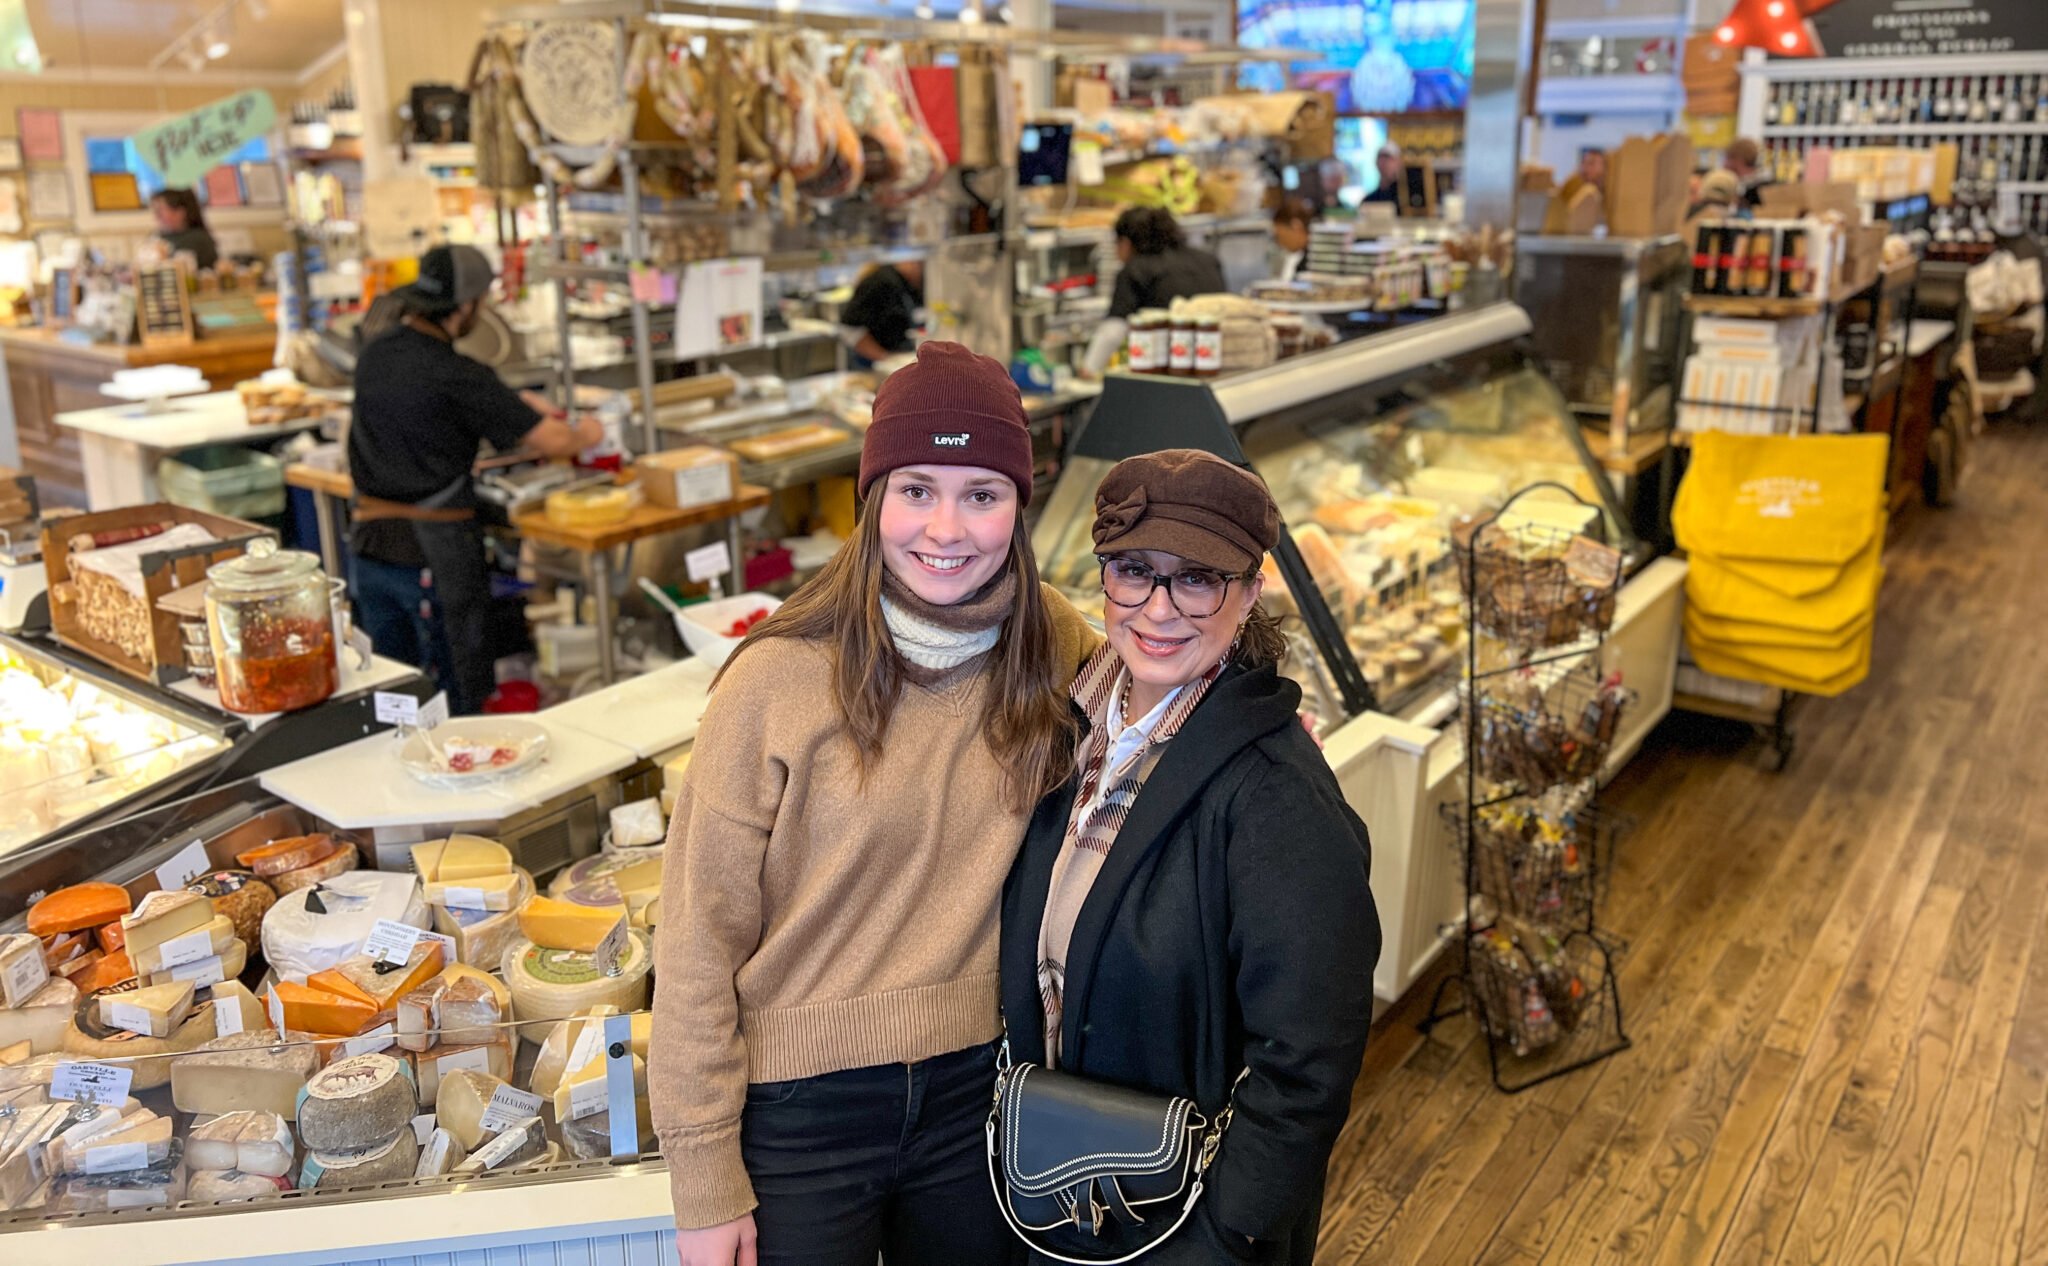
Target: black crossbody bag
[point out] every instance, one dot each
(1064, 1151)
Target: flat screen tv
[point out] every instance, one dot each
(1374, 56)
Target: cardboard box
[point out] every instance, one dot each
(686, 478)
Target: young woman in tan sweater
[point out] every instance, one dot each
(826, 1000)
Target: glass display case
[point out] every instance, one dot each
(1376, 452)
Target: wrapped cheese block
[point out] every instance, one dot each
(253, 1142)
(212, 1186)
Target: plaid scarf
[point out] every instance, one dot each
(1102, 802)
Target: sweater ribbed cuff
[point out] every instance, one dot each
(707, 1180)
(902, 1026)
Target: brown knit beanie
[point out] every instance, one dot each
(951, 408)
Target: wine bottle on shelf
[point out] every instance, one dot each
(1840, 110)
(2041, 99)
(1980, 109)
(1950, 107)
(1994, 102)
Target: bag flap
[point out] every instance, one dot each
(1059, 1130)
(1784, 498)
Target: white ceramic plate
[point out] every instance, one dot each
(476, 735)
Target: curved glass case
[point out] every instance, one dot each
(1375, 452)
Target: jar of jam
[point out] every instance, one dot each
(1208, 346)
(1138, 347)
(1181, 348)
(272, 628)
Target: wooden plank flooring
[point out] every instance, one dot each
(1836, 977)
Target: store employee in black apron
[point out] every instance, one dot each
(422, 588)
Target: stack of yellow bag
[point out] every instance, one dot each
(1785, 538)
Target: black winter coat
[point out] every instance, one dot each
(1232, 924)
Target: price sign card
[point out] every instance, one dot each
(84, 1081)
(508, 1107)
(189, 864)
(391, 942)
(610, 955)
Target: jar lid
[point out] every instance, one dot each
(264, 566)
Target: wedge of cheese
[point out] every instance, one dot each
(556, 924)
(385, 983)
(311, 1010)
(22, 969)
(460, 858)
(432, 1067)
(143, 1140)
(487, 892)
(154, 1011)
(209, 940)
(165, 916)
(251, 1070)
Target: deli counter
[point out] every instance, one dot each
(1375, 450)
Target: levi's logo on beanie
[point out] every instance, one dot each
(955, 439)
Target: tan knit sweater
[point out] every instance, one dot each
(811, 924)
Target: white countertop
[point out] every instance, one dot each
(650, 714)
(354, 681)
(361, 785)
(214, 418)
(1923, 337)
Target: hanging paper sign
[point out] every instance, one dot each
(184, 148)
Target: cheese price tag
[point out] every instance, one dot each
(709, 563)
(423, 1128)
(589, 1045)
(463, 898)
(276, 1012)
(84, 1081)
(124, 1015)
(434, 711)
(189, 864)
(227, 1018)
(189, 948)
(448, 954)
(117, 1159)
(508, 1107)
(610, 954)
(397, 709)
(391, 942)
(377, 1039)
(204, 973)
(476, 1059)
(588, 1098)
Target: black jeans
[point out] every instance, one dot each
(888, 1160)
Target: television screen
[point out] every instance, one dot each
(1374, 56)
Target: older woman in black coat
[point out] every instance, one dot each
(1192, 915)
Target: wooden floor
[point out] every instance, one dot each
(1836, 978)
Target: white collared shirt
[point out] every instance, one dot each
(1130, 741)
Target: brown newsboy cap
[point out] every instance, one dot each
(1189, 503)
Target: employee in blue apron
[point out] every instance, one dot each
(422, 409)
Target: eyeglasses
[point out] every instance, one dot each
(1195, 592)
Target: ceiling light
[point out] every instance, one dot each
(194, 60)
(970, 15)
(216, 45)
(925, 13)
(1007, 14)
(787, 6)
(258, 9)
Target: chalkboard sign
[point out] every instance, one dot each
(165, 307)
(1916, 28)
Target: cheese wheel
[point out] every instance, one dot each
(279, 856)
(459, 1108)
(89, 1037)
(316, 928)
(253, 1142)
(357, 1103)
(553, 984)
(386, 1162)
(339, 862)
(241, 896)
(77, 907)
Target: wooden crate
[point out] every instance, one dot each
(161, 574)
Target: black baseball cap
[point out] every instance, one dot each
(450, 276)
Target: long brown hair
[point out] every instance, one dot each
(1027, 718)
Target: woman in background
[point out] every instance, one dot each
(1158, 267)
(182, 225)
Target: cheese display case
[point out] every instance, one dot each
(306, 1042)
(1378, 451)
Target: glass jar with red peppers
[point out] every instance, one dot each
(272, 629)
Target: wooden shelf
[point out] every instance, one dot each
(1753, 306)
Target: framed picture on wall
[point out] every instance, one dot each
(10, 153)
(49, 195)
(42, 134)
(116, 191)
(262, 185)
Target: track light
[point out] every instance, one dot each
(970, 13)
(216, 42)
(925, 12)
(194, 60)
